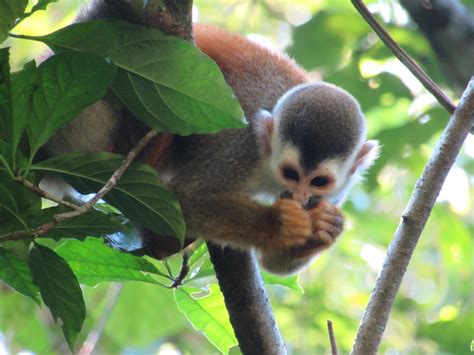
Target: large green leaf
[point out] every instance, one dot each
(16, 202)
(370, 92)
(24, 82)
(414, 134)
(290, 282)
(166, 82)
(59, 289)
(92, 223)
(142, 307)
(138, 194)
(15, 273)
(40, 5)
(10, 11)
(327, 40)
(5, 92)
(208, 315)
(92, 262)
(67, 83)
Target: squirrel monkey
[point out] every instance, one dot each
(305, 137)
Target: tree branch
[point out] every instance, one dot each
(332, 338)
(112, 182)
(449, 27)
(249, 308)
(79, 210)
(45, 194)
(413, 221)
(403, 56)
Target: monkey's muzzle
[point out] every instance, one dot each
(312, 201)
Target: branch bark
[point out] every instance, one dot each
(249, 308)
(412, 224)
(403, 56)
(237, 272)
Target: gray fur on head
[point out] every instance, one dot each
(321, 120)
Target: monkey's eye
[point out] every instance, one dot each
(319, 181)
(291, 174)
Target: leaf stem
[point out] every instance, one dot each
(7, 167)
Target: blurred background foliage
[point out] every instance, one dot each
(433, 312)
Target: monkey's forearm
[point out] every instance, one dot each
(234, 220)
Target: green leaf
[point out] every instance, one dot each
(199, 251)
(414, 134)
(208, 315)
(24, 83)
(5, 92)
(15, 273)
(138, 194)
(10, 11)
(40, 5)
(141, 307)
(290, 282)
(93, 223)
(92, 262)
(68, 83)
(59, 289)
(324, 42)
(16, 201)
(166, 82)
(370, 92)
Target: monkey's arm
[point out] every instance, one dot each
(234, 219)
(285, 235)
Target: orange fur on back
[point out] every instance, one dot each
(258, 75)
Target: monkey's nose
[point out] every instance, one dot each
(301, 197)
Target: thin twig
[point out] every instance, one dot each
(109, 185)
(112, 182)
(403, 56)
(44, 194)
(412, 224)
(332, 338)
(178, 281)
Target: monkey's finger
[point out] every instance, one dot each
(323, 226)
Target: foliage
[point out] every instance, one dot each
(433, 312)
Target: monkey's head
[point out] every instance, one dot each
(315, 142)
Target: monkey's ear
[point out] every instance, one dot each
(369, 151)
(264, 126)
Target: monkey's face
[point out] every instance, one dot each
(330, 178)
(321, 181)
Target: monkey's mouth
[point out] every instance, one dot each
(312, 201)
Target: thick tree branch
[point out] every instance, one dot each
(412, 224)
(171, 16)
(249, 308)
